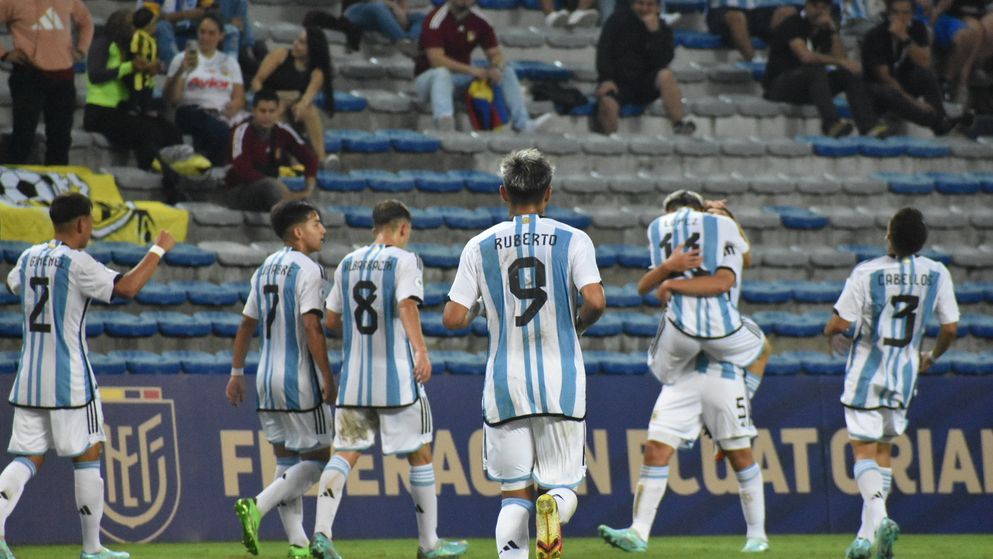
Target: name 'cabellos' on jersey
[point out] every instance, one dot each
(528, 271)
(721, 246)
(890, 301)
(378, 368)
(284, 288)
(55, 284)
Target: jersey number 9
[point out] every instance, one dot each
(537, 295)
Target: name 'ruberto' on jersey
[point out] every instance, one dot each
(525, 239)
(906, 279)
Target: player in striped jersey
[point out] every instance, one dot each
(374, 305)
(293, 381)
(525, 273)
(889, 300)
(55, 396)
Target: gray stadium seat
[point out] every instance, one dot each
(235, 254)
(386, 101)
(981, 217)
(556, 145)
(938, 217)
(753, 106)
(713, 107)
(522, 37)
(754, 218)
(772, 184)
(258, 219)
(647, 145)
(722, 185)
(860, 186)
(783, 147)
(400, 68)
(846, 217)
(131, 178)
(782, 257)
(460, 142)
(206, 213)
(818, 185)
(690, 73)
(582, 71)
(568, 39)
(612, 217)
(590, 183)
(742, 147)
(729, 73)
(332, 254)
(671, 183)
(362, 69)
(696, 147)
(284, 32)
(599, 144)
(631, 184)
(827, 257)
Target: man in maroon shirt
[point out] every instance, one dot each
(444, 67)
(259, 146)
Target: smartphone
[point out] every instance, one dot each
(191, 51)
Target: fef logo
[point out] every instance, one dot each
(142, 463)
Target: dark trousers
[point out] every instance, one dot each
(211, 135)
(34, 93)
(918, 82)
(145, 135)
(813, 83)
(258, 196)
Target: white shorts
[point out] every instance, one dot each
(880, 425)
(299, 431)
(69, 431)
(551, 451)
(401, 430)
(674, 352)
(698, 400)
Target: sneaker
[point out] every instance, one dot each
(5, 552)
(837, 128)
(444, 124)
(548, 542)
(583, 18)
(886, 535)
(297, 551)
(755, 545)
(534, 124)
(880, 130)
(322, 548)
(408, 48)
(557, 19)
(626, 539)
(331, 162)
(684, 127)
(104, 554)
(445, 548)
(248, 514)
(860, 549)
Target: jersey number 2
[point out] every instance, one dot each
(34, 324)
(537, 295)
(906, 313)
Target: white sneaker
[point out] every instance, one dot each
(583, 18)
(534, 124)
(759, 59)
(557, 19)
(330, 162)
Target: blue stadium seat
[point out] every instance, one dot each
(126, 325)
(879, 148)
(126, 254)
(479, 327)
(11, 250)
(432, 326)
(179, 325)
(107, 364)
(333, 181)
(200, 362)
(756, 68)
(606, 256)
(831, 147)
(616, 363)
(426, 219)
(538, 70)
(633, 256)
(242, 288)
(970, 293)
(623, 296)
(815, 363)
(8, 362)
(478, 181)
(209, 294)
(863, 252)
(161, 294)
(985, 179)
(966, 363)
(941, 367)
(464, 363)
(685, 6)
(767, 292)
(794, 217)
(355, 216)
(336, 360)
(222, 324)
(938, 255)
(464, 218)
(954, 183)
(770, 321)
(251, 360)
(498, 4)
(800, 326)
(348, 103)
(8, 298)
(190, 256)
(437, 256)
(295, 184)
(698, 39)
(435, 294)
(570, 217)
(94, 325)
(100, 252)
(433, 181)
(927, 149)
(980, 325)
(384, 181)
(359, 141)
(640, 324)
(786, 363)
(409, 141)
(931, 327)
(826, 292)
(608, 325)
(439, 362)
(147, 363)
(591, 362)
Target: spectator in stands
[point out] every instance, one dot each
(798, 73)
(897, 63)
(737, 21)
(392, 18)
(238, 33)
(41, 75)
(963, 31)
(107, 108)
(451, 32)
(259, 147)
(178, 23)
(326, 20)
(577, 13)
(298, 74)
(632, 59)
(206, 86)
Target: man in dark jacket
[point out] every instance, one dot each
(259, 147)
(632, 60)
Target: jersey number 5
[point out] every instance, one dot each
(34, 325)
(907, 313)
(537, 295)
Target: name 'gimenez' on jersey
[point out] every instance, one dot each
(721, 246)
(56, 283)
(284, 288)
(378, 368)
(528, 271)
(889, 301)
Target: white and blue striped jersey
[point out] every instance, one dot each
(721, 246)
(284, 288)
(889, 301)
(527, 272)
(56, 283)
(378, 368)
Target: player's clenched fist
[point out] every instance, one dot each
(165, 240)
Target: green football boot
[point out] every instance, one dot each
(445, 548)
(248, 514)
(886, 535)
(626, 538)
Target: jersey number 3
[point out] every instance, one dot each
(537, 295)
(906, 313)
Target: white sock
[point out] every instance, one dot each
(567, 502)
(291, 507)
(330, 494)
(651, 487)
(887, 481)
(512, 537)
(422, 490)
(12, 481)
(751, 491)
(89, 502)
(870, 483)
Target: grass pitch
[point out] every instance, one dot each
(909, 546)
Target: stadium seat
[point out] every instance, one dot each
(955, 183)
(782, 257)
(209, 294)
(785, 363)
(831, 147)
(222, 324)
(126, 325)
(207, 214)
(970, 293)
(464, 363)
(767, 292)
(242, 288)
(12, 250)
(806, 325)
(179, 325)
(10, 324)
(251, 360)
(200, 362)
(459, 142)
(980, 325)
(522, 37)
(698, 40)
(622, 296)
(879, 148)
(333, 181)
(616, 363)
(463, 218)
(107, 364)
(479, 327)
(189, 256)
(591, 362)
(606, 256)
(597, 144)
(821, 364)
(435, 294)
(794, 217)
(478, 181)
(609, 325)
(234, 254)
(161, 295)
(970, 364)
(639, 324)
(432, 326)
(384, 181)
(8, 298)
(728, 184)
(408, 141)
(437, 256)
(147, 363)
(425, 219)
(573, 218)
(824, 292)
(359, 141)
(863, 252)
(630, 184)
(100, 252)
(434, 181)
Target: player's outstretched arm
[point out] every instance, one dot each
(410, 317)
(594, 303)
(702, 286)
(318, 347)
(678, 262)
(131, 283)
(235, 390)
(946, 335)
